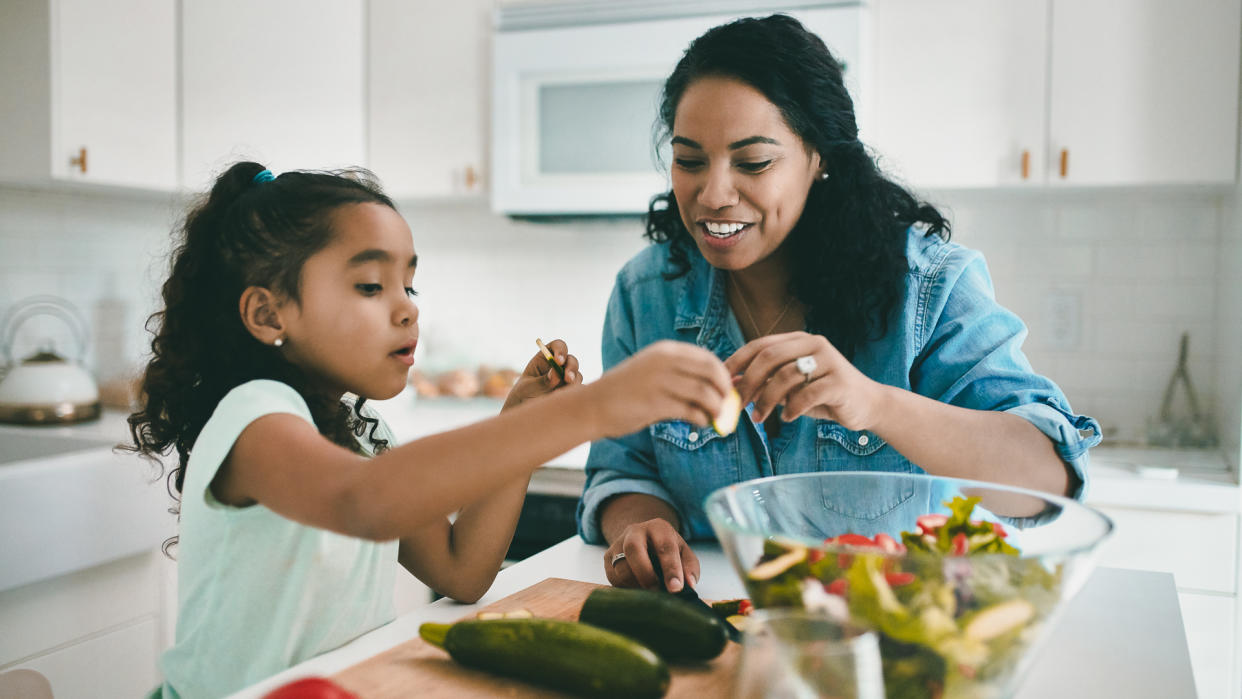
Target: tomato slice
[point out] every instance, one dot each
(928, 524)
(898, 579)
(959, 544)
(855, 540)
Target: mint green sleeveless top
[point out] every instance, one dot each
(258, 593)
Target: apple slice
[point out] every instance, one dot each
(726, 422)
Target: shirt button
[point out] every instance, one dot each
(863, 440)
(693, 436)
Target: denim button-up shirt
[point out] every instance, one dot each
(948, 340)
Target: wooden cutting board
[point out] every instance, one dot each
(417, 668)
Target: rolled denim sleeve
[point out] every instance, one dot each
(616, 467)
(625, 464)
(972, 357)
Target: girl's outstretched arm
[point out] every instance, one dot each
(282, 462)
(460, 559)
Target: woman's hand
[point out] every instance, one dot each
(540, 378)
(835, 389)
(638, 542)
(666, 380)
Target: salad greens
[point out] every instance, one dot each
(953, 603)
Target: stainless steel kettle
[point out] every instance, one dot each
(46, 388)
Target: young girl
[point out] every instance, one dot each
(286, 294)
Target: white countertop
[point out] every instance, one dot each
(1099, 648)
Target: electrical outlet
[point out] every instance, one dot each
(1062, 326)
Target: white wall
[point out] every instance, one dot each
(1141, 266)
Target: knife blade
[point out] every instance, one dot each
(688, 594)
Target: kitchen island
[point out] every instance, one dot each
(1122, 635)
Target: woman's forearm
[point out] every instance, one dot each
(985, 445)
(623, 510)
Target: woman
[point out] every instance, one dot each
(864, 339)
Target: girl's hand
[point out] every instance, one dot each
(677, 561)
(836, 390)
(540, 378)
(666, 380)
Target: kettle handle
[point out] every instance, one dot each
(32, 306)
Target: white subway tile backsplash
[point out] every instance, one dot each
(1049, 260)
(1171, 301)
(1178, 222)
(1081, 222)
(1148, 338)
(1197, 261)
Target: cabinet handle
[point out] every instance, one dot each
(1064, 162)
(471, 178)
(1026, 164)
(79, 161)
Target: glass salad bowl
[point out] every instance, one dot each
(961, 580)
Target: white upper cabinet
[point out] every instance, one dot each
(89, 92)
(975, 93)
(428, 80)
(279, 81)
(1144, 91)
(959, 91)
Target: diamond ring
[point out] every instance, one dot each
(806, 366)
(618, 557)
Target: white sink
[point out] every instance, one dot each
(68, 502)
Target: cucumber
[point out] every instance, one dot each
(564, 655)
(674, 628)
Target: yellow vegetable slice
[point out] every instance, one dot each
(999, 619)
(522, 613)
(726, 422)
(778, 565)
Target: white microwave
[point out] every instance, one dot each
(576, 89)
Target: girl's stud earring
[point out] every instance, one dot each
(823, 175)
(279, 341)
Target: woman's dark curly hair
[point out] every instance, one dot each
(243, 233)
(848, 248)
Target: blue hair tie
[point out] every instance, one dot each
(265, 176)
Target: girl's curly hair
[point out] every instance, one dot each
(848, 248)
(243, 233)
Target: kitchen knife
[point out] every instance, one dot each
(688, 594)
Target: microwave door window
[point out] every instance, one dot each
(597, 127)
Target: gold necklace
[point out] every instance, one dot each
(741, 296)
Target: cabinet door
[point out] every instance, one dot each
(1144, 91)
(959, 91)
(114, 95)
(279, 81)
(427, 95)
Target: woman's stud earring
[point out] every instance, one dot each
(279, 341)
(823, 175)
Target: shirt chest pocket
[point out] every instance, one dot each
(841, 449)
(694, 461)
